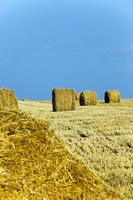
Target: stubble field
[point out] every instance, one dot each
(101, 136)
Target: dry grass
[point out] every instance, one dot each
(35, 165)
(101, 136)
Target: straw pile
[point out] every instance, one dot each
(112, 96)
(63, 99)
(8, 99)
(34, 164)
(88, 98)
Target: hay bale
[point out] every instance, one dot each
(88, 98)
(63, 99)
(50, 172)
(8, 99)
(112, 96)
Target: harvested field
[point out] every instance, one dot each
(102, 136)
(36, 165)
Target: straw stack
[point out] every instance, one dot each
(34, 164)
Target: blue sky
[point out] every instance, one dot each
(82, 44)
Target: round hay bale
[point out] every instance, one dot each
(88, 98)
(63, 99)
(8, 99)
(112, 96)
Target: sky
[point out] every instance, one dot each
(80, 44)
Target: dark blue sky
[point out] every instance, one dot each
(86, 45)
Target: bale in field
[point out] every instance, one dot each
(112, 96)
(8, 99)
(63, 99)
(88, 98)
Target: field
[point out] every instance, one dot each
(101, 136)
